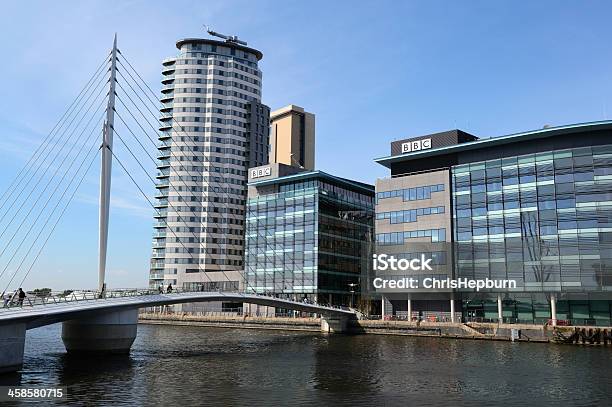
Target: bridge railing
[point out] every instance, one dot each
(33, 299)
(36, 299)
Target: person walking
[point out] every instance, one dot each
(6, 298)
(20, 297)
(160, 289)
(169, 289)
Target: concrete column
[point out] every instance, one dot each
(409, 309)
(553, 309)
(452, 307)
(500, 310)
(12, 340)
(334, 325)
(383, 308)
(112, 332)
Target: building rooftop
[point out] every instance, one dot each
(258, 54)
(367, 188)
(285, 110)
(496, 141)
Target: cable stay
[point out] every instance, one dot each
(222, 189)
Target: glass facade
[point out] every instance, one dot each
(544, 220)
(305, 239)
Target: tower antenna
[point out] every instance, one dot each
(228, 38)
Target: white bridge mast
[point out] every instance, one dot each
(105, 170)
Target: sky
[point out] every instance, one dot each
(371, 72)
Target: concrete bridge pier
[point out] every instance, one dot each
(335, 324)
(112, 332)
(12, 340)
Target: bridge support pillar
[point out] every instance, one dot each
(112, 332)
(12, 340)
(334, 325)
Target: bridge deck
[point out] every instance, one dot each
(50, 313)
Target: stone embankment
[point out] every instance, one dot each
(477, 331)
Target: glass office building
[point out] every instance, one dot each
(305, 235)
(542, 219)
(534, 207)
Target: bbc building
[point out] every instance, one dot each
(534, 207)
(305, 234)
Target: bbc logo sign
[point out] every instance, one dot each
(416, 145)
(261, 172)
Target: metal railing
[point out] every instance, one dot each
(36, 299)
(33, 299)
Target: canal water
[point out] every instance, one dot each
(184, 366)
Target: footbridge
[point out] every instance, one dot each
(34, 203)
(106, 322)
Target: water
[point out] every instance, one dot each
(186, 366)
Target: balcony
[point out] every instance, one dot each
(163, 164)
(162, 203)
(159, 234)
(169, 61)
(164, 136)
(167, 89)
(166, 98)
(169, 70)
(160, 214)
(168, 79)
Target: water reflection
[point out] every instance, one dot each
(210, 366)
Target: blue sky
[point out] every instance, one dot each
(372, 72)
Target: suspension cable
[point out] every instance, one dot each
(184, 183)
(72, 144)
(223, 190)
(169, 204)
(55, 224)
(24, 170)
(54, 155)
(91, 149)
(153, 205)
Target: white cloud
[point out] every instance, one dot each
(138, 207)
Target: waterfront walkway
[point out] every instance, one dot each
(476, 331)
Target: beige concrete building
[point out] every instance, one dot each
(292, 137)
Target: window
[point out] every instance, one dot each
(411, 194)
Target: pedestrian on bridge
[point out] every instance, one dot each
(20, 297)
(160, 289)
(169, 289)
(6, 298)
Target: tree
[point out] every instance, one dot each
(41, 292)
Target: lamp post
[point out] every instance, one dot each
(352, 290)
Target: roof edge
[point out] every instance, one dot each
(258, 54)
(492, 141)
